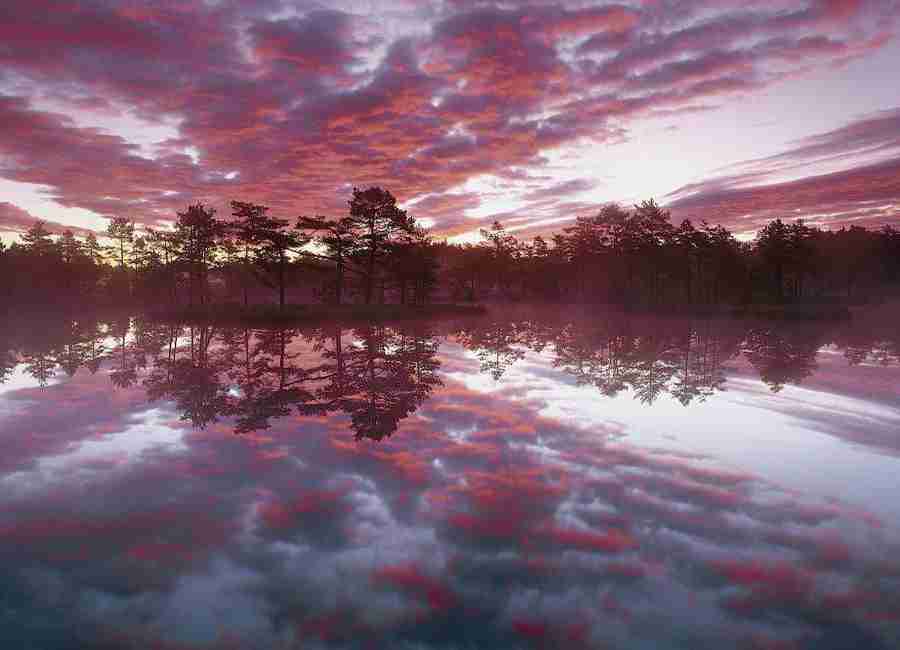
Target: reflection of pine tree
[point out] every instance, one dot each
(862, 343)
(237, 356)
(689, 373)
(593, 355)
(8, 362)
(44, 346)
(124, 372)
(273, 383)
(79, 346)
(95, 351)
(191, 380)
(41, 364)
(498, 345)
(616, 354)
(328, 379)
(578, 357)
(74, 351)
(785, 355)
(197, 393)
(374, 402)
(378, 375)
(652, 367)
(699, 372)
(390, 372)
(136, 341)
(418, 356)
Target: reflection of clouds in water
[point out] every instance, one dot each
(851, 418)
(503, 514)
(566, 538)
(147, 431)
(59, 418)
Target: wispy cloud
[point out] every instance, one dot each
(747, 194)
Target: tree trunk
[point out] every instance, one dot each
(202, 277)
(281, 347)
(339, 281)
(281, 285)
(339, 357)
(779, 282)
(247, 355)
(245, 272)
(371, 266)
(191, 274)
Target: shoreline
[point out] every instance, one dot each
(305, 313)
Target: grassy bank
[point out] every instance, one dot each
(265, 314)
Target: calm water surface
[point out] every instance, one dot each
(525, 481)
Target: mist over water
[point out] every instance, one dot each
(519, 480)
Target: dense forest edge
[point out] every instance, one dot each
(378, 261)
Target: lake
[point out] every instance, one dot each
(533, 478)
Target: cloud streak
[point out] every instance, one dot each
(868, 195)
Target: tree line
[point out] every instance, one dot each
(640, 257)
(378, 253)
(375, 249)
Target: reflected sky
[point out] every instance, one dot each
(522, 482)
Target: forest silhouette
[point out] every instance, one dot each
(377, 375)
(380, 254)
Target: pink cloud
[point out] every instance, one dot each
(302, 105)
(410, 578)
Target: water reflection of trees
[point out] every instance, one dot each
(682, 358)
(379, 374)
(614, 354)
(44, 347)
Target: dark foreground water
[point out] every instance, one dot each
(530, 481)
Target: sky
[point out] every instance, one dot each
(533, 113)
